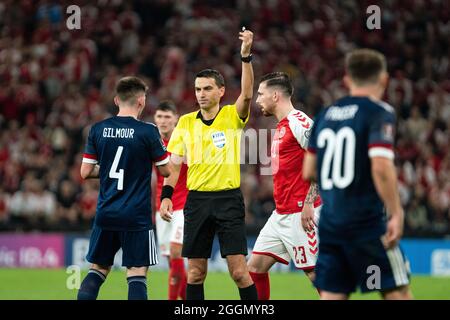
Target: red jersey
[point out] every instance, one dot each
(180, 191)
(288, 150)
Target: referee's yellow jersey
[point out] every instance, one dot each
(212, 152)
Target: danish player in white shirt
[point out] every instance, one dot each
(290, 232)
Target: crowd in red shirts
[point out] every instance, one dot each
(55, 82)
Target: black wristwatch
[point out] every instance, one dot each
(247, 59)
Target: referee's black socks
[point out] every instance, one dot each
(91, 285)
(248, 293)
(195, 292)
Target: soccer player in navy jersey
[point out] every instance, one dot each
(351, 156)
(119, 151)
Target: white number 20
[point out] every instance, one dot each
(113, 173)
(334, 143)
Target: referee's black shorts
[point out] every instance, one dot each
(206, 213)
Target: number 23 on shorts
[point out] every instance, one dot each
(300, 250)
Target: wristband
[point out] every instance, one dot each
(166, 192)
(247, 59)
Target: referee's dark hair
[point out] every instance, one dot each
(364, 66)
(128, 88)
(280, 80)
(167, 105)
(211, 73)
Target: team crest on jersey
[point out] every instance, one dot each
(219, 139)
(282, 132)
(388, 132)
(308, 134)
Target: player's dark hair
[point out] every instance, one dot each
(129, 87)
(214, 74)
(167, 105)
(280, 80)
(364, 66)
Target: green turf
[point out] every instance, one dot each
(51, 284)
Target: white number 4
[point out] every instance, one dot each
(113, 173)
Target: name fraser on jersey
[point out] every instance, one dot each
(341, 113)
(223, 309)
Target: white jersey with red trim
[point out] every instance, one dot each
(288, 149)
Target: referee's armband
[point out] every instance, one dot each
(166, 192)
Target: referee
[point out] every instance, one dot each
(209, 139)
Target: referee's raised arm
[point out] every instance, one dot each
(247, 79)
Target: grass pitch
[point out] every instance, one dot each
(45, 284)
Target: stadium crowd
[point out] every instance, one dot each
(55, 82)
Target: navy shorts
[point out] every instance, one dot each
(342, 267)
(138, 247)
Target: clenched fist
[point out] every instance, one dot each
(166, 210)
(246, 36)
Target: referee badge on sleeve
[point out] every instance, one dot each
(219, 139)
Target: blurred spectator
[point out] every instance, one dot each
(4, 206)
(32, 207)
(68, 211)
(88, 202)
(416, 126)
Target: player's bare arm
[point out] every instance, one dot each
(385, 180)
(166, 208)
(309, 167)
(175, 162)
(89, 170)
(247, 78)
(164, 170)
(308, 209)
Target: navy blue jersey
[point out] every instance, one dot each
(344, 137)
(125, 149)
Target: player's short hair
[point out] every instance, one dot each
(128, 88)
(280, 80)
(364, 66)
(167, 105)
(214, 74)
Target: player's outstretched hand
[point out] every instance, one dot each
(246, 36)
(166, 210)
(394, 231)
(307, 217)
